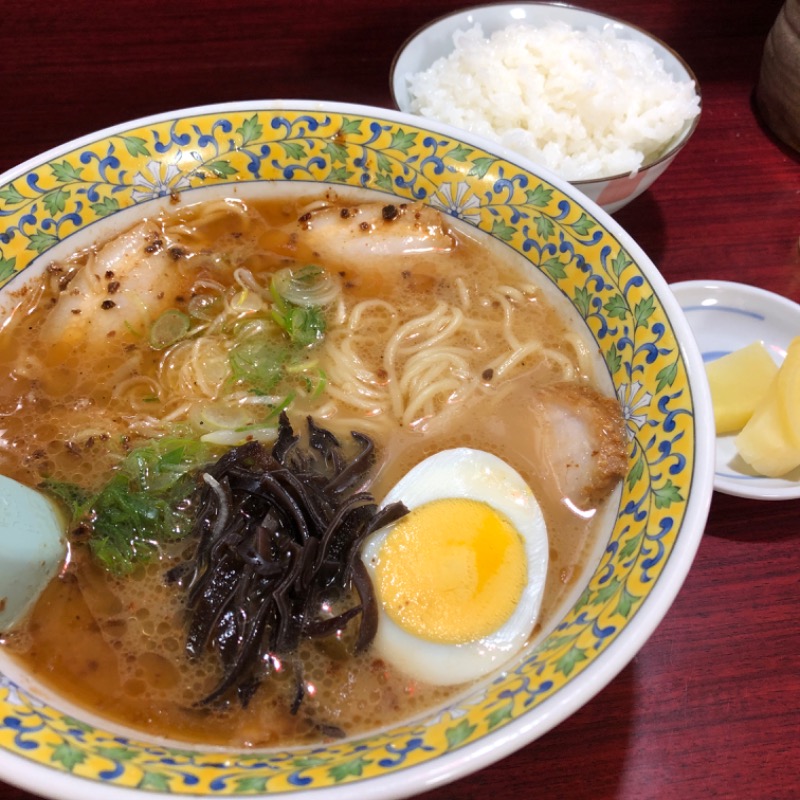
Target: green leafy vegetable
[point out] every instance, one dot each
(127, 525)
(138, 509)
(303, 326)
(73, 497)
(259, 362)
(266, 355)
(269, 349)
(159, 465)
(300, 285)
(314, 382)
(299, 297)
(273, 414)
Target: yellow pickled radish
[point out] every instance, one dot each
(770, 441)
(739, 382)
(789, 388)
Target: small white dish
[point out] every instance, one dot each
(725, 316)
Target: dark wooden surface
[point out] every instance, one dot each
(710, 708)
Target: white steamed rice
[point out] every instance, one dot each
(586, 104)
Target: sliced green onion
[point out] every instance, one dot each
(304, 326)
(282, 406)
(308, 286)
(236, 438)
(321, 383)
(225, 416)
(258, 363)
(252, 327)
(132, 330)
(205, 306)
(169, 328)
(299, 367)
(315, 382)
(159, 464)
(246, 300)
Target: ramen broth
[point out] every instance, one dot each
(77, 403)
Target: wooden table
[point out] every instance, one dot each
(711, 705)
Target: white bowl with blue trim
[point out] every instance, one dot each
(726, 316)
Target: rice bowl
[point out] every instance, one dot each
(601, 103)
(584, 104)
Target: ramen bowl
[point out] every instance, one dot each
(435, 41)
(80, 192)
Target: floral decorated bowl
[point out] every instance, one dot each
(435, 40)
(84, 188)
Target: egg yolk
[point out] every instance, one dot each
(451, 571)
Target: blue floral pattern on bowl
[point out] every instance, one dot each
(185, 153)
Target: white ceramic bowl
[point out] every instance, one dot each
(435, 40)
(56, 749)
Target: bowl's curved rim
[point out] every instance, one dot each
(677, 145)
(474, 756)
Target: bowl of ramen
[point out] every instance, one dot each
(377, 449)
(600, 102)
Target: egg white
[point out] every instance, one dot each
(476, 475)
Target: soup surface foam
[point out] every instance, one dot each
(433, 337)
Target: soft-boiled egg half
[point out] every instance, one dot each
(460, 578)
